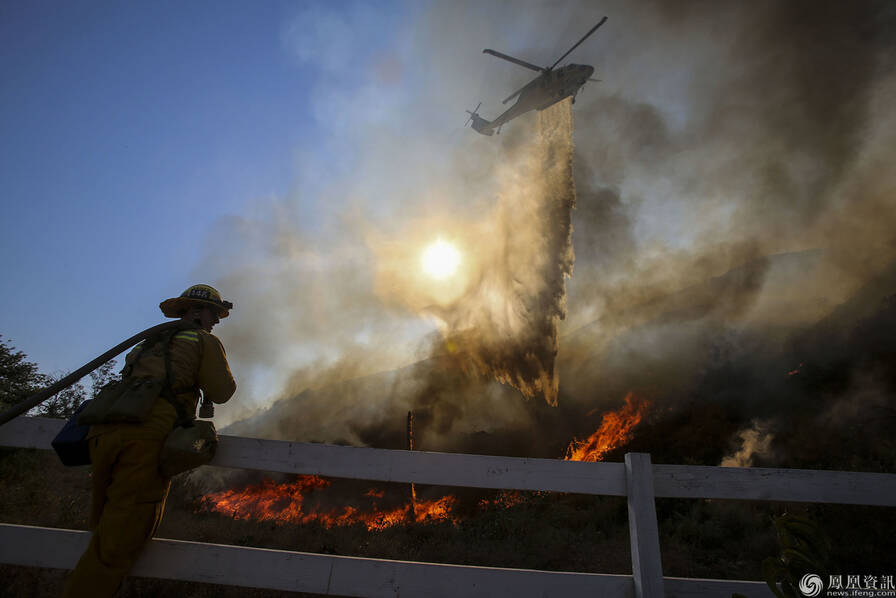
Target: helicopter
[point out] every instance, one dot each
(546, 89)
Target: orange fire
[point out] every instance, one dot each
(288, 502)
(421, 511)
(504, 500)
(285, 503)
(614, 431)
(266, 501)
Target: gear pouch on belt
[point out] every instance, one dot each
(71, 442)
(128, 401)
(187, 447)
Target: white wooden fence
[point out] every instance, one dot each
(636, 479)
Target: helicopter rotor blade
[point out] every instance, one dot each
(515, 60)
(593, 29)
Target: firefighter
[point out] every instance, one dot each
(128, 489)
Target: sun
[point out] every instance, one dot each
(440, 259)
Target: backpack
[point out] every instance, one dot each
(190, 444)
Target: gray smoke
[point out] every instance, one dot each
(755, 440)
(733, 183)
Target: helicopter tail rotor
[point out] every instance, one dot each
(473, 113)
(480, 125)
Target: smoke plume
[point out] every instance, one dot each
(734, 218)
(756, 441)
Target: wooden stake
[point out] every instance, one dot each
(410, 448)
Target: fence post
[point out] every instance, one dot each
(647, 568)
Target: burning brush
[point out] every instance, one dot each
(615, 430)
(302, 500)
(289, 503)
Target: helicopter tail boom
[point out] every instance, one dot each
(479, 124)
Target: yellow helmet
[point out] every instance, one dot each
(198, 294)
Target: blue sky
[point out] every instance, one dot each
(128, 131)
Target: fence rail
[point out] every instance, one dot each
(637, 479)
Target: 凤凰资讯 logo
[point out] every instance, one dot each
(811, 585)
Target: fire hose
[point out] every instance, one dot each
(39, 397)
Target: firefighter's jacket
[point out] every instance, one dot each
(198, 362)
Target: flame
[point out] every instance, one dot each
(504, 500)
(285, 503)
(419, 512)
(614, 431)
(266, 501)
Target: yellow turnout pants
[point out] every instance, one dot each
(126, 507)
